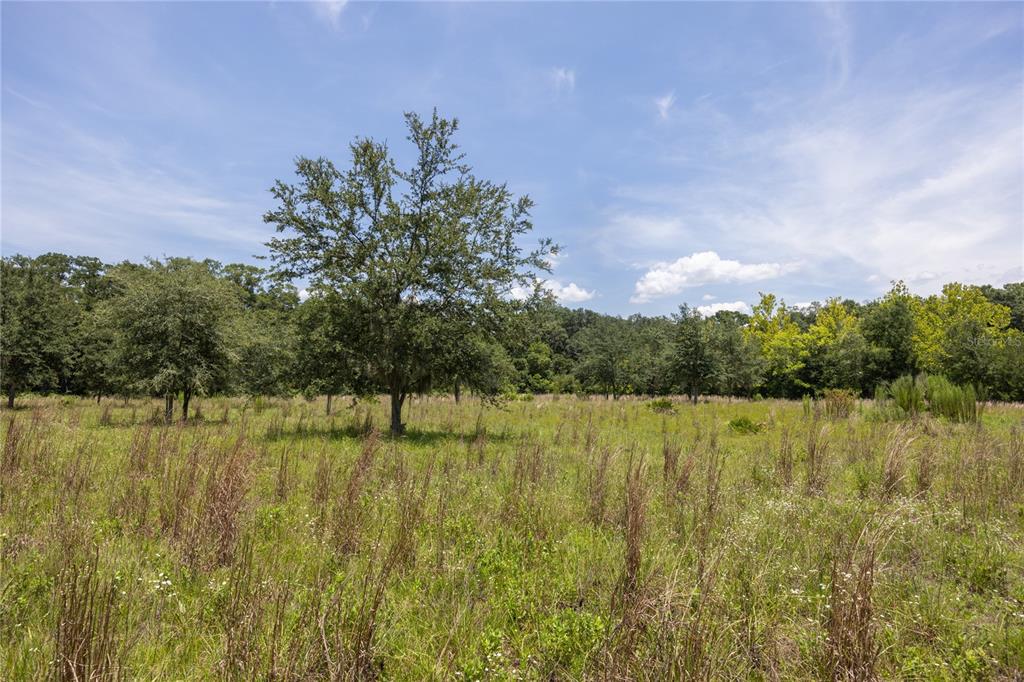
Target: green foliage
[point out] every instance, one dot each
(783, 346)
(661, 406)
(566, 639)
(955, 403)
(604, 351)
(172, 322)
(908, 394)
(943, 398)
(36, 320)
(61, 336)
(694, 360)
(745, 425)
(423, 260)
(888, 327)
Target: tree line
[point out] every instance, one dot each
(177, 328)
(418, 282)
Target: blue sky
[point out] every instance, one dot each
(693, 153)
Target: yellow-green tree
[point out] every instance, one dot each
(956, 332)
(782, 344)
(837, 346)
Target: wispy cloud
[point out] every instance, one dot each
(112, 201)
(838, 37)
(329, 11)
(562, 79)
(664, 104)
(922, 182)
(706, 267)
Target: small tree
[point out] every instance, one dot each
(172, 322)
(417, 258)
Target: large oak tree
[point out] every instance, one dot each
(420, 259)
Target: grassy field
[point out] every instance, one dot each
(546, 539)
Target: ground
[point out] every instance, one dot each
(549, 538)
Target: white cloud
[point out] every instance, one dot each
(664, 104)
(329, 11)
(569, 293)
(708, 297)
(735, 306)
(706, 267)
(889, 169)
(564, 293)
(563, 79)
(919, 185)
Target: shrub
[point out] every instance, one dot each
(662, 406)
(839, 402)
(565, 384)
(745, 425)
(955, 403)
(907, 394)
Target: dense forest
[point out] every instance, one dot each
(178, 328)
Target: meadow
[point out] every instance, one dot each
(547, 538)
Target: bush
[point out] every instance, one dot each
(565, 384)
(839, 402)
(745, 425)
(938, 394)
(908, 395)
(955, 403)
(661, 406)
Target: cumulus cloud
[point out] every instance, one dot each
(705, 267)
(569, 293)
(735, 306)
(564, 293)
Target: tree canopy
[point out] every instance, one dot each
(424, 261)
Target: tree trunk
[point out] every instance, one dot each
(397, 398)
(97, 398)
(458, 391)
(186, 395)
(329, 396)
(10, 398)
(168, 408)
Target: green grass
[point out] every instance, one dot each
(556, 538)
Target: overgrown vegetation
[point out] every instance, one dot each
(909, 397)
(557, 538)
